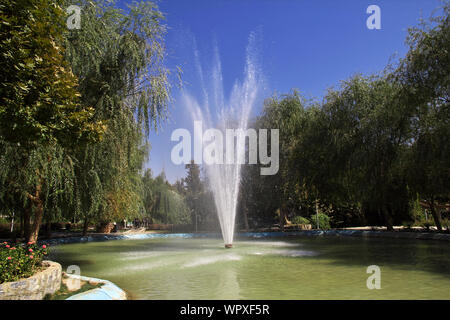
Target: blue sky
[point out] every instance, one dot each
(304, 44)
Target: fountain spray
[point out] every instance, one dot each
(234, 113)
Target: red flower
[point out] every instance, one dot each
(31, 242)
(31, 257)
(7, 245)
(9, 258)
(44, 246)
(31, 250)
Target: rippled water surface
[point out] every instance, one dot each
(301, 268)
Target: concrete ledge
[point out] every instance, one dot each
(35, 287)
(106, 237)
(256, 235)
(108, 291)
(352, 233)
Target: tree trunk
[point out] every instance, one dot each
(245, 219)
(22, 225)
(38, 214)
(436, 214)
(13, 234)
(85, 227)
(388, 219)
(317, 214)
(26, 222)
(282, 216)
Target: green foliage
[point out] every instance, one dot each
(300, 220)
(372, 145)
(118, 56)
(46, 171)
(41, 117)
(199, 198)
(423, 72)
(163, 204)
(53, 164)
(417, 212)
(193, 181)
(4, 220)
(263, 195)
(76, 107)
(38, 97)
(324, 221)
(446, 223)
(20, 261)
(425, 85)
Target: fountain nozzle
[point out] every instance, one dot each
(228, 246)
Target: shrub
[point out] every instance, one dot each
(426, 224)
(446, 223)
(324, 221)
(105, 227)
(416, 211)
(4, 220)
(57, 226)
(20, 260)
(408, 224)
(300, 220)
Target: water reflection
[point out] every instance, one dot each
(229, 286)
(299, 268)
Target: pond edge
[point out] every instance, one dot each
(257, 235)
(108, 291)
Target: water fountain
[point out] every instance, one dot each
(233, 113)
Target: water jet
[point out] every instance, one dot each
(232, 113)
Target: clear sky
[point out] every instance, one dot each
(306, 44)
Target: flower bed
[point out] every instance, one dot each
(36, 287)
(19, 261)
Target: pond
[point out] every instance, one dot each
(284, 268)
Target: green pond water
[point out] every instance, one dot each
(300, 268)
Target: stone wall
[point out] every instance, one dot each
(35, 287)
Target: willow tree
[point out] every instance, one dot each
(118, 56)
(425, 87)
(163, 203)
(40, 111)
(371, 142)
(148, 192)
(285, 113)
